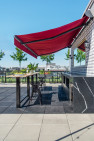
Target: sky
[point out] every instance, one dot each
(30, 16)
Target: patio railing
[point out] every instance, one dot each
(50, 77)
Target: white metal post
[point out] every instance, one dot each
(71, 61)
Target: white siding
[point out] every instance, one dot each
(88, 34)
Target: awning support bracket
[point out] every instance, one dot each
(86, 24)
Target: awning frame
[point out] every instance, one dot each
(86, 24)
(25, 46)
(54, 36)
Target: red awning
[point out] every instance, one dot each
(82, 47)
(50, 41)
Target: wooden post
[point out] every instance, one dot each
(28, 86)
(17, 92)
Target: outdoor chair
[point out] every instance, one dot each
(37, 87)
(42, 78)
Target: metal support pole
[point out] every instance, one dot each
(28, 86)
(61, 77)
(52, 78)
(32, 80)
(5, 77)
(32, 83)
(36, 78)
(25, 79)
(2, 78)
(44, 74)
(17, 92)
(57, 77)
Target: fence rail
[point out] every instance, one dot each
(50, 77)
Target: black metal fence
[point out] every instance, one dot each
(50, 77)
(53, 77)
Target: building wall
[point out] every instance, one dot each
(87, 34)
(83, 95)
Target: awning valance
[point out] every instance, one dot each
(82, 47)
(50, 41)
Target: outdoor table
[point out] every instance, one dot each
(18, 95)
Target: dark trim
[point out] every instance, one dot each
(28, 86)
(25, 45)
(18, 95)
(54, 36)
(81, 48)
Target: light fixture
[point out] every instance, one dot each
(88, 13)
(71, 57)
(86, 44)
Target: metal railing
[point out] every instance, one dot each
(50, 77)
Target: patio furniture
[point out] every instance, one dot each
(36, 88)
(42, 78)
(21, 102)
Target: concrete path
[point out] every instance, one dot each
(47, 127)
(24, 125)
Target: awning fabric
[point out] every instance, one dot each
(82, 47)
(49, 41)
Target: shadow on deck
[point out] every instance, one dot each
(54, 101)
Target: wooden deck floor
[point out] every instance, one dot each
(53, 98)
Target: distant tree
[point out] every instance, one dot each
(47, 58)
(32, 67)
(19, 56)
(67, 55)
(1, 54)
(80, 56)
